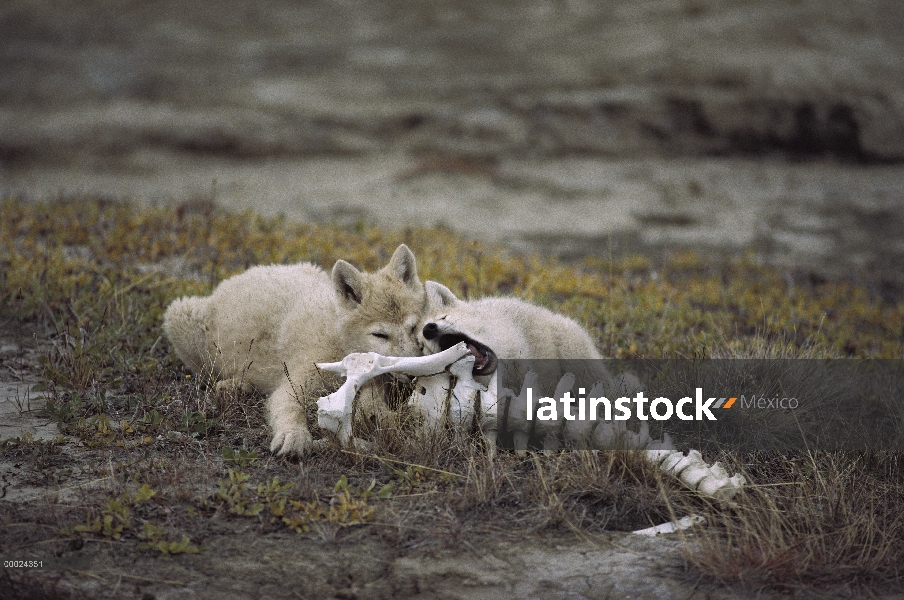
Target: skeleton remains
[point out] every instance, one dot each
(446, 395)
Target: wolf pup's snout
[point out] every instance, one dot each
(431, 330)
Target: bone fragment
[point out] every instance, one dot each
(490, 403)
(518, 422)
(579, 433)
(464, 398)
(551, 429)
(671, 526)
(691, 470)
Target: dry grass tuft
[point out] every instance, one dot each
(816, 519)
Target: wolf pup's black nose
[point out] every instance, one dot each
(431, 330)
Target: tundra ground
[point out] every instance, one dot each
(146, 484)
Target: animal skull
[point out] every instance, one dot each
(334, 412)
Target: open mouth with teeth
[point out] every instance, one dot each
(485, 361)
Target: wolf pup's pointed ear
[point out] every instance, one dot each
(348, 282)
(439, 295)
(404, 266)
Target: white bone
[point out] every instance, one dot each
(334, 412)
(464, 396)
(672, 526)
(579, 433)
(658, 455)
(722, 489)
(603, 436)
(663, 445)
(684, 462)
(430, 401)
(626, 384)
(691, 470)
(694, 474)
(669, 462)
(490, 403)
(551, 429)
(518, 422)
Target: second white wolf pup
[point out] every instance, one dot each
(506, 328)
(272, 320)
(497, 329)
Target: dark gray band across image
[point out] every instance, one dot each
(710, 404)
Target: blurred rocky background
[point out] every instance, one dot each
(569, 127)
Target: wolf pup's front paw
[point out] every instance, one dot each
(231, 387)
(297, 441)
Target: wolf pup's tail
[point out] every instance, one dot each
(185, 324)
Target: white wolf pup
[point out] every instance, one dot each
(271, 321)
(508, 328)
(505, 328)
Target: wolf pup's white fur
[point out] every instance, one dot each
(270, 320)
(503, 328)
(508, 328)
